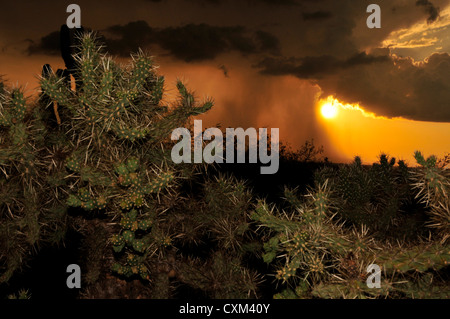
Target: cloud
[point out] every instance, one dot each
(417, 43)
(317, 15)
(269, 2)
(123, 39)
(314, 67)
(433, 12)
(306, 67)
(48, 44)
(197, 42)
(399, 87)
(386, 85)
(280, 2)
(251, 2)
(191, 42)
(267, 42)
(351, 68)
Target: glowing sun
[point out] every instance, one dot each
(328, 110)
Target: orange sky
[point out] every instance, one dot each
(353, 132)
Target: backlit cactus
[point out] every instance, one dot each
(432, 184)
(12, 107)
(30, 216)
(115, 131)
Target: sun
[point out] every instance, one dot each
(328, 110)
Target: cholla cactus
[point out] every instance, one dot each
(29, 216)
(105, 158)
(432, 183)
(13, 106)
(372, 195)
(318, 253)
(15, 165)
(113, 128)
(306, 242)
(219, 233)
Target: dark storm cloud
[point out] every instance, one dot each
(191, 42)
(432, 10)
(280, 2)
(304, 68)
(314, 67)
(363, 58)
(317, 15)
(48, 44)
(267, 42)
(269, 2)
(197, 42)
(399, 87)
(129, 38)
(385, 85)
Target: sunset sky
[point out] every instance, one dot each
(271, 63)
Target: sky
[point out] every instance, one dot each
(273, 64)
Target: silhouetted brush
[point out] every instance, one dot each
(68, 45)
(46, 70)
